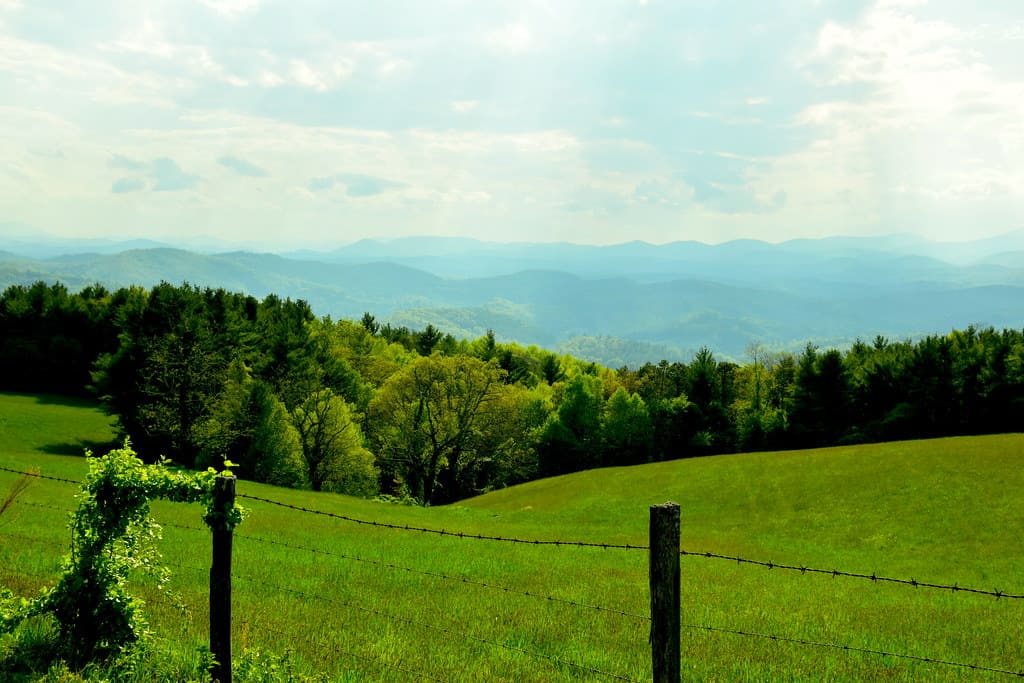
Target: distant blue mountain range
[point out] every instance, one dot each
(621, 304)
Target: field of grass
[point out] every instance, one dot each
(946, 511)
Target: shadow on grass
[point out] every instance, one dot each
(72, 401)
(62, 400)
(79, 447)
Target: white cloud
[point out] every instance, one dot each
(21, 122)
(232, 8)
(906, 102)
(515, 37)
(389, 66)
(455, 165)
(323, 69)
(464, 106)
(448, 195)
(327, 68)
(269, 79)
(473, 178)
(321, 78)
(477, 142)
(303, 74)
(726, 119)
(1012, 32)
(942, 121)
(149, 40)
(33, 143)
(48, 71)
(890, 47)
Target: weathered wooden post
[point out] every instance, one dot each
(220, 579)
(664, 575)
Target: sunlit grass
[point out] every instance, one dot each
(944, 511)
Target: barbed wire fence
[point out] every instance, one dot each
(445, 532)
(551, 659)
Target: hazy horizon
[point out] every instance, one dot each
(205, 243)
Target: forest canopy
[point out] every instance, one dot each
(365, 408)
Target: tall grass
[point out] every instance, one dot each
(943, 510)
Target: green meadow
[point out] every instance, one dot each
(315, 595)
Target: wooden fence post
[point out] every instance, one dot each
(664, 575)
(220, 580)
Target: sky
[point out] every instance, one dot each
(313, 123)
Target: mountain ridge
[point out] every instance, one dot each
(747, 292)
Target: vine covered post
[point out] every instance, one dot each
(665, 605)
(220, 577)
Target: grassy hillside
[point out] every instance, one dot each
(369, 604)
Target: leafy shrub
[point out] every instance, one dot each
(112, 534)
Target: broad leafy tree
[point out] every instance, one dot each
(332, 444)
(424, 419)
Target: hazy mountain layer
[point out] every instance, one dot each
(623, 304)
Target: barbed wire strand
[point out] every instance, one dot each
(875, 578)
(42, 505)
(444, 532)
(37, 475)
(416, 622)
(851, 648)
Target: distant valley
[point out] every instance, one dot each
(617, 305)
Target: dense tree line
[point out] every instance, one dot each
(365, 408)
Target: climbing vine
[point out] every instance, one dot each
(112, 534)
